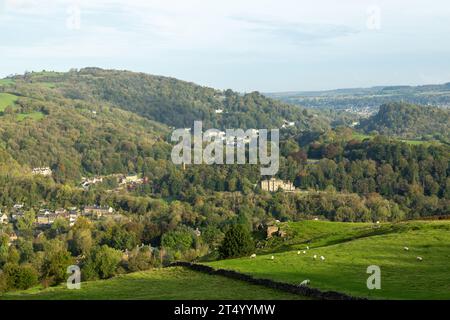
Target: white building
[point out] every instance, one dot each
(44, 171)
(3, 218)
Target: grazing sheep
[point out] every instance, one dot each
(315, 256)
(253, 256)
(420, 258)
(304, 251)
(304, 283)
(272, 258)
(298, 252)
(307, 247)
(322, 258)
(406, 248)
(378, 222)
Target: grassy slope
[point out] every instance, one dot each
(163, 284)
(350, 249)
(6, 99)
(362, 136)
(6, 82)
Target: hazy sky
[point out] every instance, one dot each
(265, 45)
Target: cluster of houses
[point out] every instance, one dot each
(87, 182)
(274, 185)
(43, 171)
(130, 181)
(46, 217)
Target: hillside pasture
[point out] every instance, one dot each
(349, 250)
(159, 284)
(6, 100)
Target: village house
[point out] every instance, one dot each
(62, 213)
(44, 171)
(12, 237)
(43, 217)
(287, 124)
(18, 206)
(130, 179)
(73, 216)
(16, 214)
(97, 212)
(273, 185)
(3, 218)
(87, 182)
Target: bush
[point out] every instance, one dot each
(237, 242)
(19, 277)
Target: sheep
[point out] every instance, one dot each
(420, 258)
(315, 256)
(406, 248)
(304, 283)
(304, 251)
(253, 256)
(322, 258)
(307, 247)
(298, 252)
(272, 258)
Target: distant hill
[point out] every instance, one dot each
(174, 102)
(409, 121)
(42, 128)
(98, 122)
(368, 98)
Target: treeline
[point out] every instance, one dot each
(415, 176)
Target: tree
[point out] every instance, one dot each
(102, 263)
(178, 240)
(237, 242)
(19, 277)
(56, 261)
(82, 241)
(25, 223)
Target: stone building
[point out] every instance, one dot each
(273, 185)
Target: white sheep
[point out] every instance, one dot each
(420, 258)
(307, 247)
(253, 256)
(304, 283)
(322, 258)
(298, 252)
(304, 251)
(315, 256)
(406, 248)
(272, 258)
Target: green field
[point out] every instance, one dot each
(7, 99)
(350, 248)
(361, 137)
(6, 82)
(161, 284)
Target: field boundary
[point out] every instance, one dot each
(282, 286)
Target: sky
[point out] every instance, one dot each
(245, 45)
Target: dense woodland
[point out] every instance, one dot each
(410, 121)
(95, 122)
